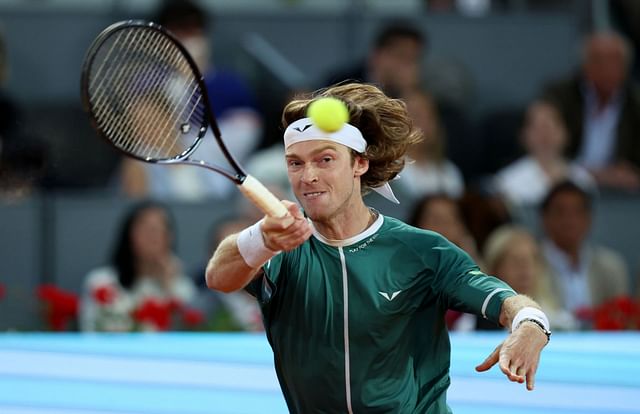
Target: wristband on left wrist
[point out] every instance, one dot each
(531, 314)
(539, 325)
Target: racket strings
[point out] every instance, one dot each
(128, 85)
(109, 68)
(145, 96)
(132, 129)
(108, 87)
(166, 136)
(110, 101)
(171, 122)
(178, 113)
(149, 133)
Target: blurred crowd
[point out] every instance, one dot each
(577, 141)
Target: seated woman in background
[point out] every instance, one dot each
(544, 136)
(513, 255)
(143, 287)
(430, 172)
(441, 213)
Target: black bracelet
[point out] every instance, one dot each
(537, 322)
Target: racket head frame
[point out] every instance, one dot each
(237, 176)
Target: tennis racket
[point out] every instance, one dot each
(146, 96)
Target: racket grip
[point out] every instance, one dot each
(264, 199)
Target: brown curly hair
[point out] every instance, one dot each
(383, 121)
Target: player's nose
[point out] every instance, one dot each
(309, 175)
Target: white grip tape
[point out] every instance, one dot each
(529, 313)
(251, 246)
(264, 199)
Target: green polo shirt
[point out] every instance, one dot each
(357, 326)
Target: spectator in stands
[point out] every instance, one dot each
(430, 172)
(143, 286)
(544, 136)
(233, 104)
(394, 62)
(583, 274)
(513, 254)
(441, 213)
(601, 107)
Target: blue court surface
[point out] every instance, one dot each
(588, 373)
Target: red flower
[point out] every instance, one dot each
(192, 317)
(154, 312)
(617, 314)
(48, 292)
(61, 306)
(104, 294)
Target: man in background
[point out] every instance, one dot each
(601, 107)
(583, 275)
(394, 62)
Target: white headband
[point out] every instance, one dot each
(349, 136)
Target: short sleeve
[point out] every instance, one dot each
(464, 287)
(264, 287)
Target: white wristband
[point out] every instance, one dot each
(530, 313)
(251, 246)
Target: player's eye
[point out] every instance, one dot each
(293, 163)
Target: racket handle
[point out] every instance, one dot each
(264, 199)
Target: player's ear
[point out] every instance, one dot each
(361, 166)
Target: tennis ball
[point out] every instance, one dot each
(328, 114)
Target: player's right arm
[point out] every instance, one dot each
(231, 267)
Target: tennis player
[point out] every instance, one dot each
(354, 301)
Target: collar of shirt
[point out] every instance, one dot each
(369, 231)
(591, 102)
(573, 282)
(560, 260)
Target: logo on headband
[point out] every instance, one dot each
(302, 129)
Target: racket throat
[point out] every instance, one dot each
(237, 178)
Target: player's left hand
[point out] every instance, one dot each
(518, 356)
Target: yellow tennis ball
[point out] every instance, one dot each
(328, 114)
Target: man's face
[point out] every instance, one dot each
(567, 220)
(397, 65)
(605, 64)
(324, 178)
